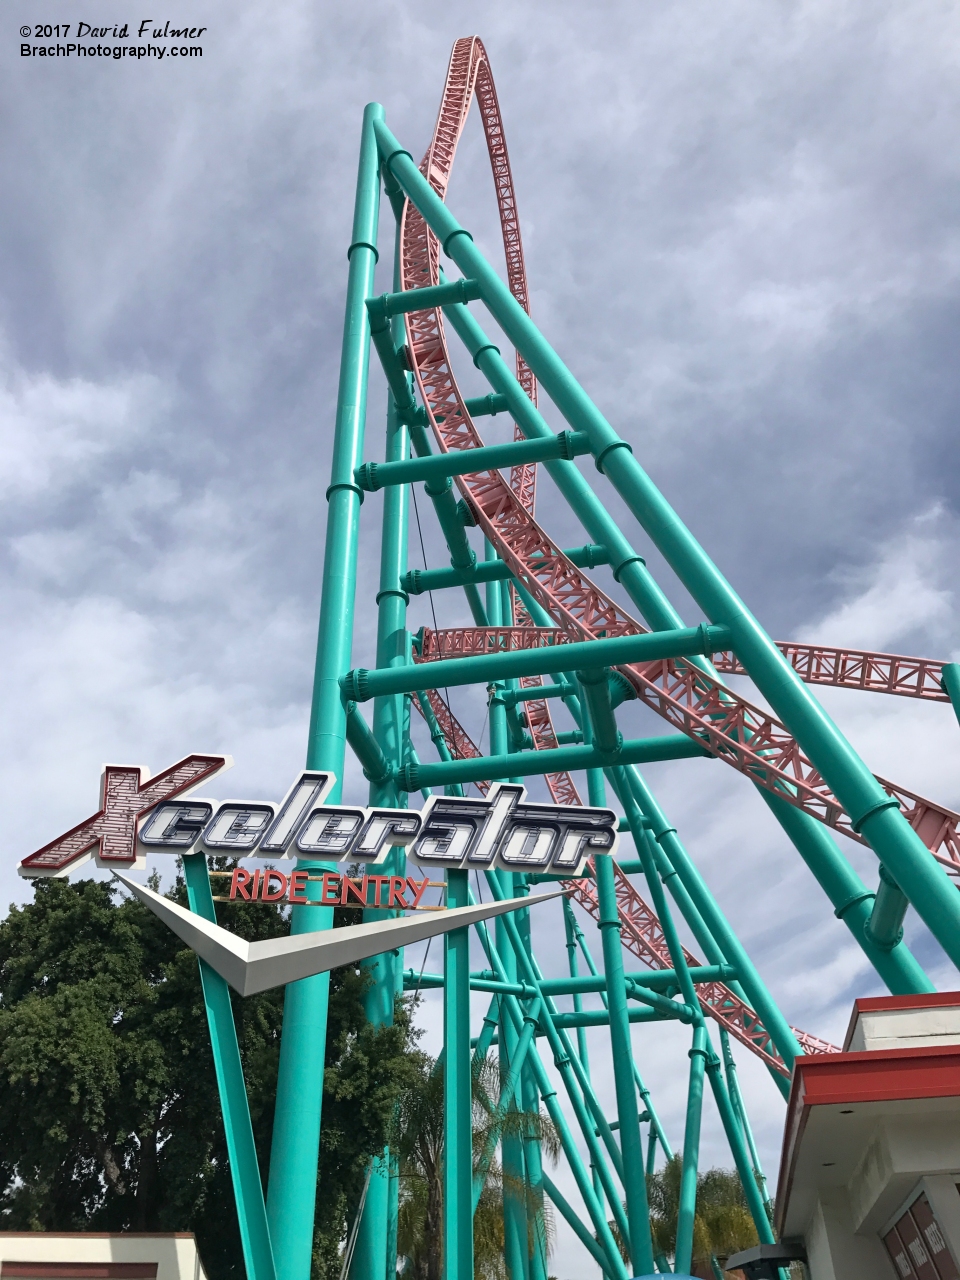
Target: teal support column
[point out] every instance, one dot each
(733, 950)
(536, 1240)
(241, 1149)
(738, 1149)
(950, 680)
(852, 901)
(638, 1213)
(573, 932)
(570, 1217)
(740, 1111)
(294, 1153)
(614, 1263)
(371, 1260)
(683, 1254)
(457, 1100)
(656, 1128)
(514, 1210)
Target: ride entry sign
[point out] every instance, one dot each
(139, 815)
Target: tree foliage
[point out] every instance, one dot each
(109, 1114)
(418, 1139)
(722, 1224)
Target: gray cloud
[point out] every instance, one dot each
(740, 232)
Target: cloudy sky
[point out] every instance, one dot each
(741, 232)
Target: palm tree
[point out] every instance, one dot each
(722, 1224)
(418, 1141)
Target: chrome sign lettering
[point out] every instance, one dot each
(502, 830)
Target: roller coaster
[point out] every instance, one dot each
(546, 637)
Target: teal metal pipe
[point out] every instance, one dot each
(487, 406)
(571, 929)
(372, 1258)
(641, 1087)
(570, 1217)
(614, 1262)
(738, 1149)
(361, 684)
(462, 555)
(513, 696)
(376, 768)
(292, 1187)
(372, 476)
(508, 1092)
(667, 746)
(686, 1213)
(852, 900)
(241, 1148)
(457, 1101)
(950, 682)
(638, 1211)
(740, 1110)
(418, 581)
(514, 1211)
(595, 687)
(885, 926)
(874, 814)
(400, 302)
(733, 950)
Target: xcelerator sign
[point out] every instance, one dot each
(140, 815)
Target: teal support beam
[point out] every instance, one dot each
(874, 814)
(241, 1149)
(570, 1217)
(488, 1031)
(667, 746)
(512, 696)
(644, 1092)
(530, 1099)
(418, 581)
(595, 686)
(462, 555)
(852, 901)
(292, 1188)
(508, 1096)
(950, 681)
(614, 1263)
(733, 950)
(571, 931)
(374, 1256)
(738, 1149)
(740, 1111)
(651, 646)
(687, 1209)
(508, 1046)
(372, 476)
(638, 1213)
(885, 926)
(376, 768)
(457, 1101)
(400, 302)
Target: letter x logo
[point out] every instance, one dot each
(111, 834)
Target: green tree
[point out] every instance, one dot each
(418, 1139)
(722, 1225)
(109, 1115)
